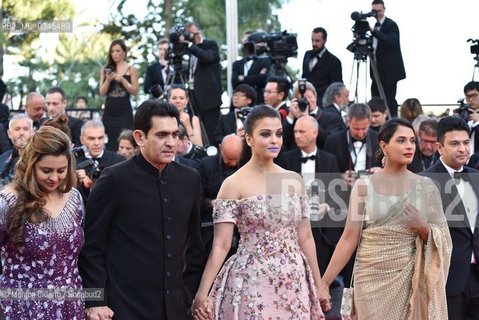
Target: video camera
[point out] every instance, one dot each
(302, 101)
(464, 110)
(279, 45)
(362, 38)
(178, 48)
(474, 47)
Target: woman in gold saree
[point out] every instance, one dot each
(404, 249)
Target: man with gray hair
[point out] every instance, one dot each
(92, 157)
(20, 130)
(355, 147)
(336, 99)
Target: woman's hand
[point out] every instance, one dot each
(99, 313)
(415, 221)
(201, 308)
(185, 120)
(324, 297)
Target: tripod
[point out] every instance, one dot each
(361, 54)
(476, 66)
(177, 75)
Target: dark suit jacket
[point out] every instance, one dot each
(337, 144)
(226, 125)
(142, 239)
(207, 80)
(75, 125)
(326, 71)
(388, 53)
(328, 123)
(153, 77)
(291, 160)
(332, 109)
(254, 78)
(461, 234)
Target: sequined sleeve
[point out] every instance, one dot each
(225, 210)
(3, 217)
(305, 205)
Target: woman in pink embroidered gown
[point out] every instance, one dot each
(274, 274)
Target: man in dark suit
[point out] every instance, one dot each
(35, 106)
(244, 97)
(387, 50)
(321, 67)
(204, 69)
(214, 170)
(251, 70)
(94, 158)
(425, 154)
(462, 287)
(142, 230)
(275, 94)
(157, 73)
(336, 100)
(328, 122)
(56, 105)
(471, 92)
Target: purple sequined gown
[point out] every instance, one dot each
(48, 261)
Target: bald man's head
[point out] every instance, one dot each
(35, 106)
(231, 148)
(305, 133)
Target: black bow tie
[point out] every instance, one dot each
(462, 175)
(305, 159)
(249, 58)
(96, 159)
(355, 140)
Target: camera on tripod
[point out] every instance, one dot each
(474, 47)
(177, 35)
(362, 39)
(302, 101)
(280, 45)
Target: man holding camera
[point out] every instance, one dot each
(321, 67)
(93, 157)
(305, 103)
(204, 72)
(387, 50)
(471, 91)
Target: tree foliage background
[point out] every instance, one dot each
(76, 59)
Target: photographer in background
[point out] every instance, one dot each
(387, 50)
(305, 103)
(252, 69)
(92, 158)
(244, 97)
(470, 112)
(321, 67)
(204, 72)
(157, 73)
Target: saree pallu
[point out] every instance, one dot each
(397, 275)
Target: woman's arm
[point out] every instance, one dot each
(105, 79)
(350, 237)
(196, 138)
(131, 87)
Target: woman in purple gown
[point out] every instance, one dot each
(41, 233)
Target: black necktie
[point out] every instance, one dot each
(305, 159)
(461, 175)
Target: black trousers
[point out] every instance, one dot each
(390, 89)
(465, 306)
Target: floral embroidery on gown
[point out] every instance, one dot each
(49, 260)
(268, 277)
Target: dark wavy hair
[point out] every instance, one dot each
(257, 113)
(30, 197)
(388, 129)
(109, 62)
